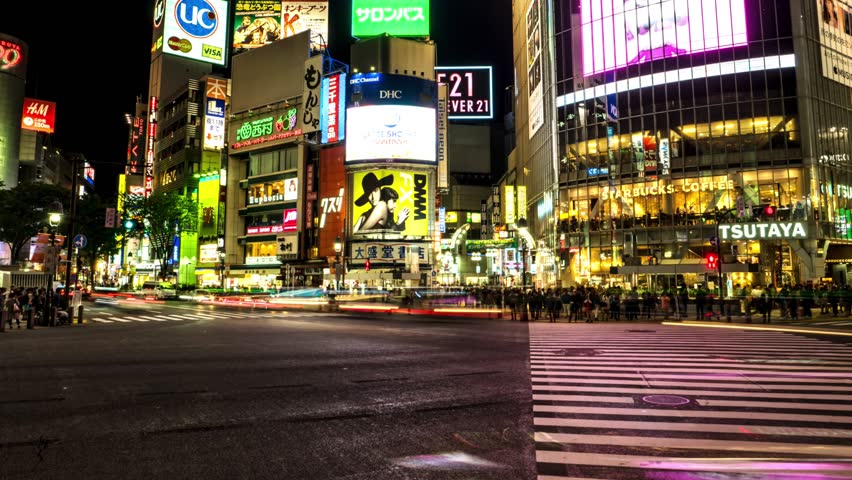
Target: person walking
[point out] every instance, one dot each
(13, 308)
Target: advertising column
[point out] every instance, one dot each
(391, 159)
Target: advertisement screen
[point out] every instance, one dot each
(391, 200)
(835, 38)
(391, 132)
(39, 115)
(398, 18)
(619, 33)
(196, 29)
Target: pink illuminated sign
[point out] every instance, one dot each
(291, 217)
(619, 33)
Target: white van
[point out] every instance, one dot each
(158, 290)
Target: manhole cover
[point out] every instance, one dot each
(665, 400)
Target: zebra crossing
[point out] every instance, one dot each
(665, 402)
(180, 316)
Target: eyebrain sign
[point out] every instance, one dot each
(401, 18)
(196, 29)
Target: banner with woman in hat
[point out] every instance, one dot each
(391, 200)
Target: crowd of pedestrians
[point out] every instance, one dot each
(590, 304)
(27, 305)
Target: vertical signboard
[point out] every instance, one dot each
(665, 157)
(136, 147)
(333, 108)
(535, 89)
(443, 164)
(299, 16)
(310, 196)
(509, 204)
(153, 104)
(214, 114)
(522, 201)
(311, 94)
(38, 115)
(332, 182)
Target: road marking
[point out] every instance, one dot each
(135, 319)
(732, 428)
(102, 320)
(122, 320)
(691, 393)
(715, 414)
(582, 398)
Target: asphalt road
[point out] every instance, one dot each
(180, 391)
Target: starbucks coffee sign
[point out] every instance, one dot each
(763, 231)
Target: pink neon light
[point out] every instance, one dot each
(619, 33)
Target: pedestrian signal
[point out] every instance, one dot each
(712, 261)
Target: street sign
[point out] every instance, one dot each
(434, 273)
(80, 241)
(714, 241)
(109, 218)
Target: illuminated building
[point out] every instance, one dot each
(637, 142)
(13, 74)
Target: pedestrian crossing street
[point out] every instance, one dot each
(189, 315)
(666, 402)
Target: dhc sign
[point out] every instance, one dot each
(763, 231)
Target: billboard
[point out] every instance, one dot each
(332, 183)
(296, 17)
(391, 200)
(535, 89)
(196, 29)
(214, 114)
(470, 92)
(835, 38)
(391, 117)
(620, 33)
(38, 116)
(256, 23)
(136, 147)
(13, 56)
(311, 94)
(398, 18)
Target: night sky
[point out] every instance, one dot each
(95, 64)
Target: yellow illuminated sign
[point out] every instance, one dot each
(509, 204)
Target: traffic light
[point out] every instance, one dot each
(769, 211)
(367, 265)
(129, 224)
(712, 261)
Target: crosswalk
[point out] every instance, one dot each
(825, 322)
(183, 316)
(664, 402)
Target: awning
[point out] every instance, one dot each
(839, 253)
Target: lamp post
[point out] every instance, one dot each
(54, 218)
(522, 226)
(338, 248)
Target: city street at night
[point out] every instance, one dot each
(174, 390)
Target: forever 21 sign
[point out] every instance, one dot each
(469, 92)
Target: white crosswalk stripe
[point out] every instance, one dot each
(101, 320)
(190, 315)
(667, 402)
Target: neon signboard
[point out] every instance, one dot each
(38, 116)
(470, 94)
(398, 18)
(620, 33)
(333, 108)
(267, 129)
(13, 56)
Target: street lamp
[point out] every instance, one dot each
(522, 226)
(54, 218)
(338, 248)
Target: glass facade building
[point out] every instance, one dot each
(680, 116)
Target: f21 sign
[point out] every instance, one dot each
(470, 92)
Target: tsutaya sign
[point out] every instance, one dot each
(763, 231)
(664, 189)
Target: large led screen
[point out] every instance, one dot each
(391, 132)
(620, 33)
(391, 200)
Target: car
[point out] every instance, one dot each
(202, 295)
(159, 290)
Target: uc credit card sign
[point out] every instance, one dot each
(196, 29)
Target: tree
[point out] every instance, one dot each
(160, 218)
(24, 213)
(102, 242)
